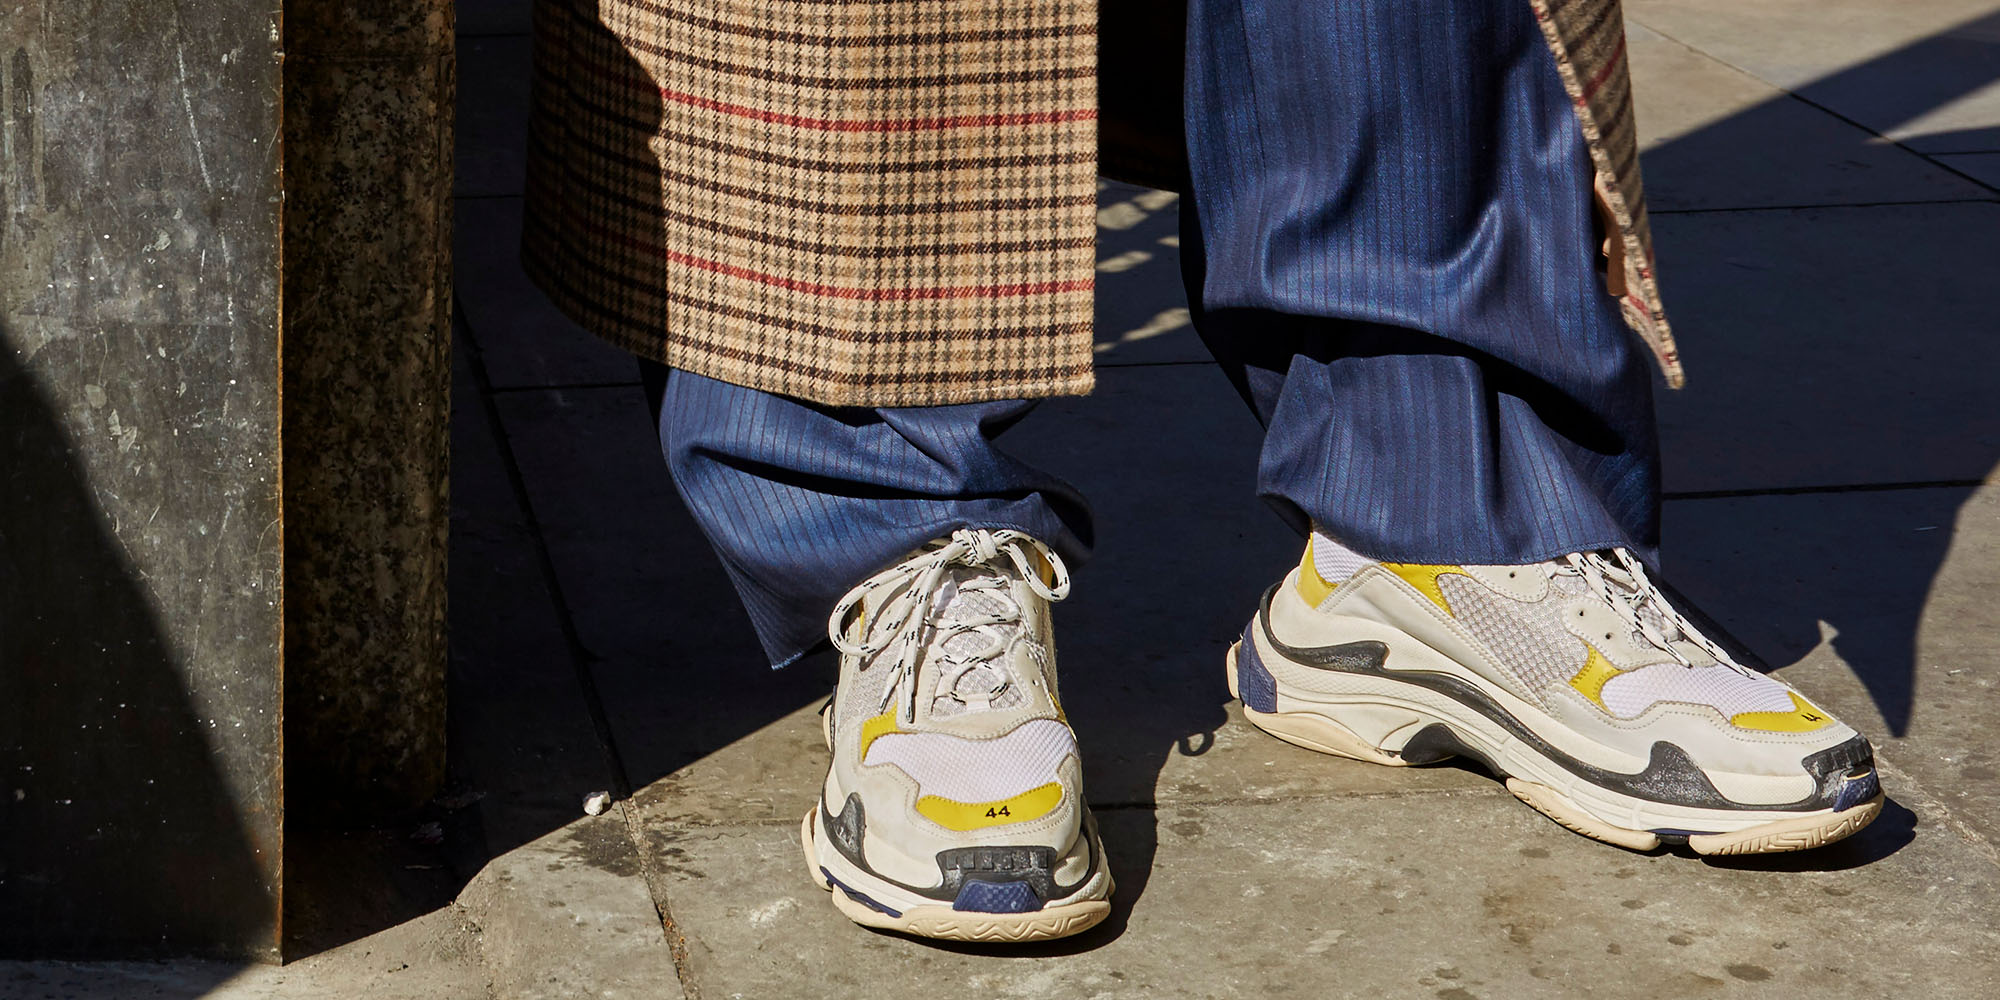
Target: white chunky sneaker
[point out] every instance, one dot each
(1575, 680)
(954, 805)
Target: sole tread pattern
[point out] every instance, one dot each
(1791, 834)
(1041, 929)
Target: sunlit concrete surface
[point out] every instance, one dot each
(1824, 180)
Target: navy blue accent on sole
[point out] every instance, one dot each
(1857, 791)
(859, 897)
(997, 897)
(1254, 683)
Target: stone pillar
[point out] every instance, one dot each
(369, 92)
(222, 433)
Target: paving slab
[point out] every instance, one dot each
(1925, 73)
(1878, 605)
(493, 77)
(1831, 346)
(1714, 136)
(569, 916)
(1455, 895)
(671, 651)
(526, 341)
(1142, 314)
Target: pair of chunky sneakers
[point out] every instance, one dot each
(954, 804)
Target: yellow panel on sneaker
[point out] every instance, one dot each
(1031, 804)
(1590, 680)
(1425, 579)
(876, 728)
(1803, 718)
(1313, 587)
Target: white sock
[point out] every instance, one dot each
(1334, 561)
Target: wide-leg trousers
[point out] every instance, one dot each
(1389, 249)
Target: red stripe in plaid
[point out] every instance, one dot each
(880, 125)
(860, 294)
(1604, 72)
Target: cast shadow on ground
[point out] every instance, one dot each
(702, 685)
(1876, 341)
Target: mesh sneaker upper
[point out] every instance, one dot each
(1531, 640)
(969, 714)
(1527, 638)
(1631, 693)
(978, 770)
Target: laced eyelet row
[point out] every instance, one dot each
(905, 617)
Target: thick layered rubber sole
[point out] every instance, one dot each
(871, 902)
(1322, 729)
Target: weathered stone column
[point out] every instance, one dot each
(222, 464)
(369, 92)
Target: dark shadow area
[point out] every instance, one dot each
(347, 882)
(118, 836)
(1882, 380)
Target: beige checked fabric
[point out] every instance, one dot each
(1588, 39)
(881, 202)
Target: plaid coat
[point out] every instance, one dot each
(893, 202)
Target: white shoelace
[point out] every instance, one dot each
(1624, 585)
(905, 617)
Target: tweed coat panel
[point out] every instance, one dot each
(1588, 40)
(875, 202)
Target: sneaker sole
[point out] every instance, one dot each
(1319, 732)
(937, 920)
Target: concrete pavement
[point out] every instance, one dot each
(1824, 180)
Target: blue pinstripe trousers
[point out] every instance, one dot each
(1390, 252)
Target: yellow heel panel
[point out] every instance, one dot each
(1313, 587)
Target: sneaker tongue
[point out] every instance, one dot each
(986, 685)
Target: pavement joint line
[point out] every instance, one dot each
(1831, 204)
(677, 947)
(1933, 484)
(1809, 102)
(580, 656)
(484, 197)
